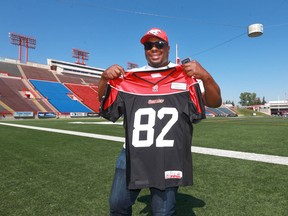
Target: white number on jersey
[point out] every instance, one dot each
(149, 127)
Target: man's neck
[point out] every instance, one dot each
(148, 67)
(159, 66)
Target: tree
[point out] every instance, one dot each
(263, 101)
(249, 99)
(229, 102)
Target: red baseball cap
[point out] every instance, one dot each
(155, 32)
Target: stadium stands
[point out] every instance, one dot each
(13, 96)
(58, 95)
(37, 88)
(76, 79)
(38, 73)
(87, 94)
(91, 81)
(227, 111)
(59, 87)
(221, 111)
(66, 78)
(9, 69)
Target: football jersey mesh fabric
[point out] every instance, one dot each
(159, 108)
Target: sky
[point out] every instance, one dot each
(213, 32)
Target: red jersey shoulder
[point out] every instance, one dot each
(168, 81)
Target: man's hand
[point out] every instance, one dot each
(212, 93)
(113, 72)
(193, 68)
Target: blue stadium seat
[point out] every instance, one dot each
(57, 94)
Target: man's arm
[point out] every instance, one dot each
(212, 94)
(112, 72)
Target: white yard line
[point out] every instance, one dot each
(76, 133)
(241, 155)
(200, 150)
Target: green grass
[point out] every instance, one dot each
(44, 173)
(255, 134)
(248, 112)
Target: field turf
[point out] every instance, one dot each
(46, 173)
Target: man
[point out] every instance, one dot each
(128, 183)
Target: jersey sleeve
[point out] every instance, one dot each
(112, 105)
(196, 105)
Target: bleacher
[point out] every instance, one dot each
(9, 69)
(227, 111)
(36, 88)
(11, 89)
(16, 96)
(38, 73)
(39, 88)
(59, 96)
(220, 111)
(65, 78)
(87, 94)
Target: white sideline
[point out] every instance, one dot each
(241, 155)
(201, 150)
(76, 133)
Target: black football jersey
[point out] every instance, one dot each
(159, 108)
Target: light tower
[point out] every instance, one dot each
(131, 65)
(177, 60)
(80, 54)
(21, 40)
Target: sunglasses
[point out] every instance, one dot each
(158, 44)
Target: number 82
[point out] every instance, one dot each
(149, 127)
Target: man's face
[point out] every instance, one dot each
(157, 57)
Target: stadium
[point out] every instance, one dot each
(57, 155)
(56, 90)
(66, 90)
(61, 89)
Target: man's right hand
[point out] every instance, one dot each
(113, 72)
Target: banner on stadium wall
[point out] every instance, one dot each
(23, 114)
(46, 115)
(77, 114)
(92, 114)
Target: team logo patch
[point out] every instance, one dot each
(173, 174)
(178, 86)
(155, 88)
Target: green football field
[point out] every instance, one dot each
(58, 173)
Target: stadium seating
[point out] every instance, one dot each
(12, 95)
(87, 94)
(10, 69)
(53, 91)
(47, 90)
(58, 95)
(76, 79)
(38, 73)
(221, 111)
(67, 78)
(227, 111)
